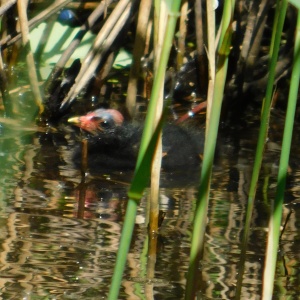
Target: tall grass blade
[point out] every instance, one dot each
(276, 213)
(146, 152)
(263, 132)
(211, 31)
(139, 183)
(159, 75)
(200, 217)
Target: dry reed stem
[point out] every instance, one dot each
(211, 31)
(83, 5)
(22, 11)
(138, 52)
(99, 49)
(90, 22)
(41, 17)
(94, 16)
(6, 6)
(160, 29)
(182, 33)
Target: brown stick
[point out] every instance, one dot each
(191, 113)
(84, 156)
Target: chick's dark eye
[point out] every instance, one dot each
(106, 124)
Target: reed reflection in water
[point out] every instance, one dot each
(59, 237)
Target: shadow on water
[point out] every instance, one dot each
(59, 236)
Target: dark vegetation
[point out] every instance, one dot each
(186, 80)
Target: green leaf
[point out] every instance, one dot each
(296, 3)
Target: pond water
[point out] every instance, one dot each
(59, 236)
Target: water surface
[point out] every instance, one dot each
(59, 236)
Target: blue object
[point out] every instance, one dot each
(69, 17)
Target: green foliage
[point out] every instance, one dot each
(209, 151)
(146, 153)
(295, 3)
(277, 205)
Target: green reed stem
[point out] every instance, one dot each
(200, 217)
(135, 193)
(146, 151)
(276, 214)
(263, 132)
(268, 99)
(158, 79)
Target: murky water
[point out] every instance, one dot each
(59, 237)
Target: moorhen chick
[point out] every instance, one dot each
(114, 142)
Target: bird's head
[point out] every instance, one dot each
(98, 121)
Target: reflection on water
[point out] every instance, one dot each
(59, 237)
